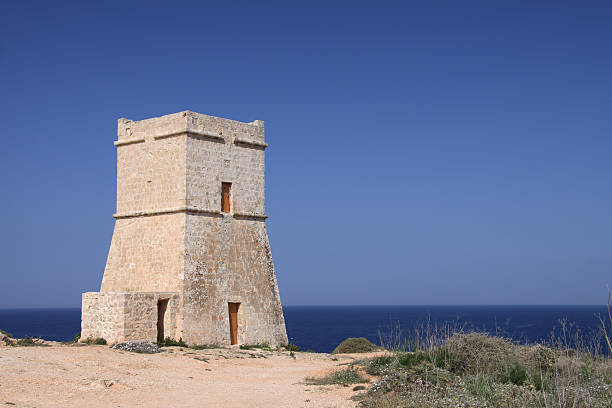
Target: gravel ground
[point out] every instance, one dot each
(99, 376)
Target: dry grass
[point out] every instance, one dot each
(344, 377)
(470, 369)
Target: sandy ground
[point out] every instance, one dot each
(98, 376)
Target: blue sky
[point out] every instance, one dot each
(420, 152)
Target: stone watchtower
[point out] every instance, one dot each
(190, 256)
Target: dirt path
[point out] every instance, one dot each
(97, 376)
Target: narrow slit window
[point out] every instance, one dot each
(226, 194)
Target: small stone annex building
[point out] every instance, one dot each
(190, 257)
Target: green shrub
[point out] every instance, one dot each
(266, 347)
(29, 342)
(377, 365)
(517, 374)
(481, 386)
(77, 337)
(355, 345)
(262, 346)
(476, 353)
(204, 346)
(291, 347)
(343, 377)
(410, 359)
(541, 382)
(543, 357)
(169, 342)
(7, 334)
(429, 373)
(99, 341)
(478, 370)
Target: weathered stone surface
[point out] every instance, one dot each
(171, 240)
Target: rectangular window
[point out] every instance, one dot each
(226, 194)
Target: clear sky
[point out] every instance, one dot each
(420, 152)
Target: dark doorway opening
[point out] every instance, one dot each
(233, 320)
(162, 305)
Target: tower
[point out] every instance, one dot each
(190, 256)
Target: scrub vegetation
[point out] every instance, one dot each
(99, 341)
(446, 367)
(262, 346)
(355, 345)
(170, 342)
(344, 377)
(25, 342)
(7, 334)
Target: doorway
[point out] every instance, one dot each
(162, 305)
(226, 196)
(233, 321)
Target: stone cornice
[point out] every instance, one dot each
(250, 142)
(129, 141)
(191, 133)
(250, 216)
(173, 210)
(187, 209)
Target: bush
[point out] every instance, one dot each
(7, 334)
(377, 365)
(291, 347)
(476, 353)
(355, 345)
(517, 374)
(343, 377)
(411, 359)
(478, 370)
(169, 342)
(28, 342)
(262, 346)
(203, 347)
(98, 341)
(77, 337)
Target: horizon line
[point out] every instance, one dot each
(374, 305)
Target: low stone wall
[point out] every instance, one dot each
(126, 316)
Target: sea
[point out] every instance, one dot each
(322, 328)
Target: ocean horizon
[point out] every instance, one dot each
(321, 328)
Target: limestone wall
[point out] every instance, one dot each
(213, 161)
(118, 317)
(102, 315)
(146, 254)
(141, 316)
(150, 174)
(229, 260)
